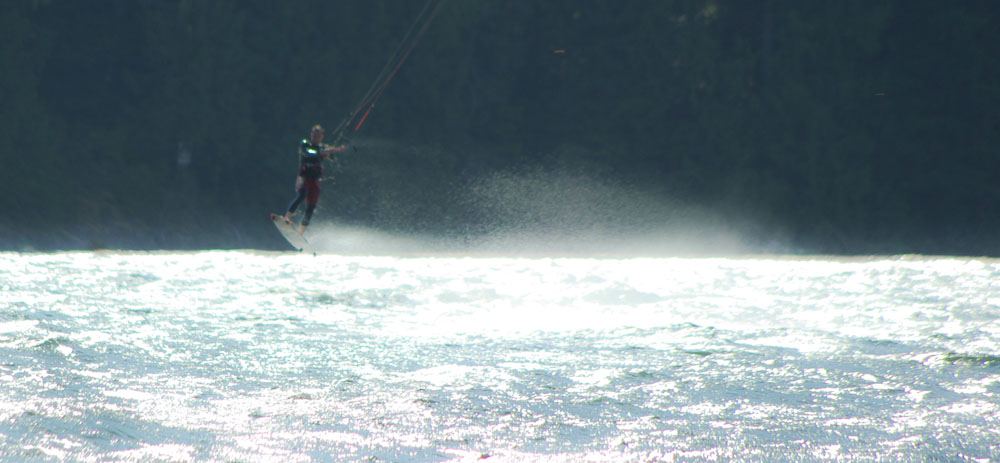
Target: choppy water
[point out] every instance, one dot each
(245, 356)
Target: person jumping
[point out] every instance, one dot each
(312, 153)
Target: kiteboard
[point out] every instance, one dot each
(291, 234)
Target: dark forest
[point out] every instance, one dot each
(845, 127)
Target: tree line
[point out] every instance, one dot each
(844, 127)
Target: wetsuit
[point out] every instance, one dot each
(311, 170)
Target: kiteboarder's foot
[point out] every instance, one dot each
(287, 217)
(302, 229)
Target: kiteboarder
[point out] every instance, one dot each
(312, 153)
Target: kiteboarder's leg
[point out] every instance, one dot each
(295, 205)
(300, 194)
(311, 190)
(310, 208)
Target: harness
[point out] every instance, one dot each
(310, 161)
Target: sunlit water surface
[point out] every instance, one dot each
(247, 356)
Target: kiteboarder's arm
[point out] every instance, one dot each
(328, 150)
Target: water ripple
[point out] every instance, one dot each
(224, 356)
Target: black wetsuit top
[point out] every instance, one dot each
(310, 160)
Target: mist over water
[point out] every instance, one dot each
(535, 212)
(586, 215)
(251, 356)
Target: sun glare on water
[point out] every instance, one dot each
(288, 357)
